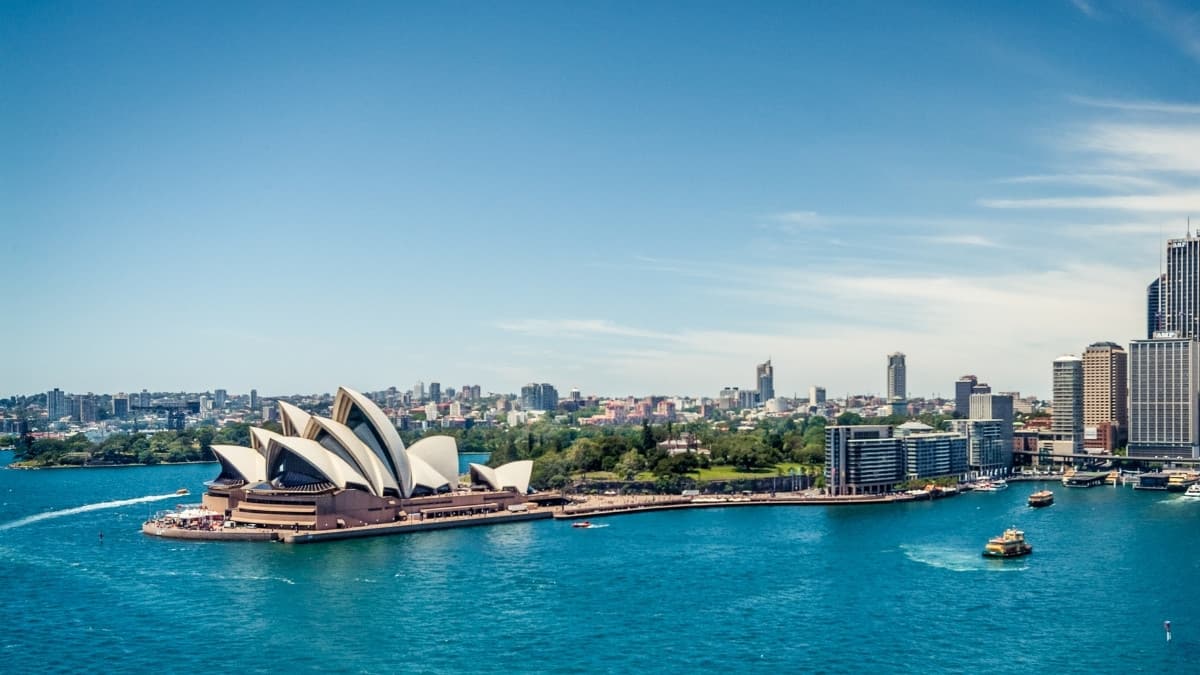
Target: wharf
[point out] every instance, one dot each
(597, 507)
(1085, 479)
(289, 536)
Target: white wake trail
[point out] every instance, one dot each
(27, 520)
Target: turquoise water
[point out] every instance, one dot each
(762, 589)
(465, 458)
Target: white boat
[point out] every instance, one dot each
(1000, 484)
(991, 485)
(1193, 491)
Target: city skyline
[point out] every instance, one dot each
(619, 200)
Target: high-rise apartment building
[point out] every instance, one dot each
(435, 392)
(764, 376)
(897, 383)
(1164, 418)
(418, 392)
(1181, 288)
(988, 451)
(1153, 307)
(56, 404)
(1067, 420)
(864, 459)
(220, 396)
(962, 394)
(994, 407)
(1105, 395)
(85, 408)
(254, 403)
(120, 406)
(144, 399)
(536, 396)
(816, 395)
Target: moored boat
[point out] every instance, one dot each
(1011, 544)
(1042, 498)
(1179, 481)
(1193, 492)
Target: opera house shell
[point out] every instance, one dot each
(351, 469)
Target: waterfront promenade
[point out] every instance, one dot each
(595, 506)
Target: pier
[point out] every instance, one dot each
(1085, 479)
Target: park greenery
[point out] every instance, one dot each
(192, 445)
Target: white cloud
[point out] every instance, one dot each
(1177, 202)
(1097, 180)
(962, 240)
(1086, 7)
(577, 328)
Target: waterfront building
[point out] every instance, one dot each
(994, 407)
(988, 451)
(765, 378)
(962, 394)
(348, 470)
(1164, 418)
(1181, 288)
(897, 381)
(816, 395)
(930, 454)
(863, 459)
(1067, 418)
(1154, 306)
(56, 405)
(1105, 395)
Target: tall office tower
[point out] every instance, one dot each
(1182, 287)
(120, 406)
(897, 386)
(816, 395)
(144, 399)
(435, 392)
(1105, 395)
(764, 377)
(254, 399)
(1153, 308)
(56, 404)
(1164, 418)
(219, 397)
(418, 392)
(1067, 421)
(962, 394)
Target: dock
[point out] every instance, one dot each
(598, 507)
(1085, 479)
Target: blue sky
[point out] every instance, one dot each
(625, 197)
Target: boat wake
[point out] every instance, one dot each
(38, 517)
(955, 560)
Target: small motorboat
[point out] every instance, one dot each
(182, 491)
(1193, 491)
(583, 524)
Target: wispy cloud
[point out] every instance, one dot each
(1086, 7)
(962, 240)
(1138, 105)
(1179, 26)
(577, 328)
(1178, 202)
(1098, 180)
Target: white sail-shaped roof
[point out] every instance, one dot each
(374, 428)
(292, 419)
(426, 476)
(260, 438)
(365, 460)
(439, 452)
(333, 468)
(246, 463)
(512, 475)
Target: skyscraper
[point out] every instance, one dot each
(219, 397)
(1164, 418)
(120, 406)
(897, 387)
(962, 394)
(1067, 420)
(435, 392)
(1181, 287)
(1153, 309)
(765, 377)
(254, 400)
(418, 392)
(816, 395)
(536, 396)
(1105, 394)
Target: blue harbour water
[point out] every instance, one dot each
(771, 589)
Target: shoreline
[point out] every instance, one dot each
(17, 467)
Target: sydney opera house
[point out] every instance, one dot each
(352, 469)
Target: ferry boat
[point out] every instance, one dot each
(1011, 544)
(1192, 492)
(1182, 480)
(1042, 498)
